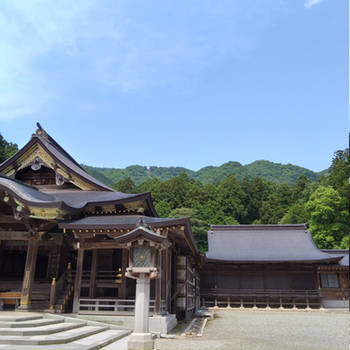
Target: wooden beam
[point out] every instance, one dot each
(14, 235)
(100, 245)
(77, 282)
(92, 287)
(29, 272)
(164, 273)
(158, 287)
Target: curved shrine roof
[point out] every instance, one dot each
(60, 156)
(264, 243)
(68, 199)
(110, 222)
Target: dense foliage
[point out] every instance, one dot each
(323, 204)
(274, 172)
(7, 149)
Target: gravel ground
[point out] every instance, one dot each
(267, 330)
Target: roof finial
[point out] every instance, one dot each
(40, 131)
(141, 223)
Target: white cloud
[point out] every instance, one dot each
(310, 3)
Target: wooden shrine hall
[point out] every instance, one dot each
(57, 239)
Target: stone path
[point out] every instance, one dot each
(267, 330)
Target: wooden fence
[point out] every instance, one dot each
(274, 298)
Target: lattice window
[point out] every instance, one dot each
(329, 280)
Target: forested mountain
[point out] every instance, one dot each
(274, 172)
(323, 204)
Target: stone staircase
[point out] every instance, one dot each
(41, 296)
(48, 332)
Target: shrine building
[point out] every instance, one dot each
(60, 251)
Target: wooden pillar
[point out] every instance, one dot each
(318, 282)
(29, 272)
(158, 287)
(122, 288)
(168, 281)
(77, 282)
(93, 272)
(164, 277)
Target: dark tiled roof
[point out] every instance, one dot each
(120, 220)
(264, 243)
(79, 199)
(339, 253)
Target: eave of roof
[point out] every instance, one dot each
(70, 201)
(258, 227)
(120, 221)
(342, 253)
(285, 261)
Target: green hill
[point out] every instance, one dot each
(275, 172)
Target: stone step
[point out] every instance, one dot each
(56, 338)
(18, 318)
(30, 323)
(97, 341)
(41, 330)
(92, 342)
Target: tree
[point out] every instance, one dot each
(163, 209)
(328, 220)
(256, 191)
(276, 205)
(296, 214)
(301, 190)
(7, 149)
(199, 227)
(339, 175)
(230, 198)
(126, 185)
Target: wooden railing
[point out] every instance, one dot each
(260, 297)
(113, 306)
(101, 276)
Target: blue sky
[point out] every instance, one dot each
(178, 83)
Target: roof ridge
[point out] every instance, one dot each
(42, 133)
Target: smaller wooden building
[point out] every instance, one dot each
(271, 265)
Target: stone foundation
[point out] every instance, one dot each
(157, 323)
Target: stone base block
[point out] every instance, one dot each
(335, 304)
(162, 323)
(157, 323)
(140, 341)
